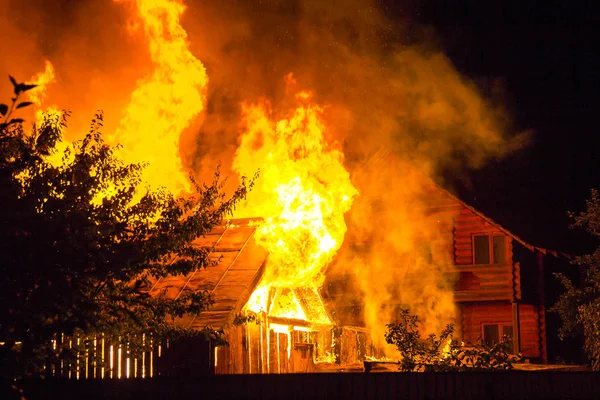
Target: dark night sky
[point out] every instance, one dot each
(546, 55)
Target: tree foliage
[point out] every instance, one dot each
(82, 241)
(441, 353)
(579, 305)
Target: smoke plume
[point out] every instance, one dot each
(379, 88)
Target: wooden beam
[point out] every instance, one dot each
(516, 327)
(541, 306)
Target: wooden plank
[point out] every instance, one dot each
(241, 277)
(273, 356)
(169, 286)
(252, 256)
(486, 296)
(207, 241)
(206, 279)
(483, 268)
(475, 229)
(463, 239)
(216, 319)
(234, 238)
(226, 297)
(283, 353)
(462, 248)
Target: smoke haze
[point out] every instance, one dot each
(379, 87)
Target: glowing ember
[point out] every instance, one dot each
(328, 358)
(165, 102)
(302, 193)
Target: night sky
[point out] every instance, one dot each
(544, 56)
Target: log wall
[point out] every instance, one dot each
(474, 316)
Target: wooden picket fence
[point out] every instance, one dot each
(99, 358)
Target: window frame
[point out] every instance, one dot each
(500, 326)
(491, 236)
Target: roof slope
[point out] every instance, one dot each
(383, 158)
(240, 262)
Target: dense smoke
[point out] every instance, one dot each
(378, 89)
(378, 92)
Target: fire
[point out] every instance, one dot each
(302, 193)
(37, 96)
(447, 348)
(165, 102)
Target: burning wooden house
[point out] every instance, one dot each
(497, 288)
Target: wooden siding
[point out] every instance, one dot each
(467, 224)
(529, 330)
(483, 283)
(475, 315)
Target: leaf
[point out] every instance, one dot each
(26, 87)
(3, 109)
(16, 121)
(14, 82)
(24, 104)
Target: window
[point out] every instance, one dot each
(489, 249)
(499, 249)
(481, 251)
(494, 333)
(491, 334)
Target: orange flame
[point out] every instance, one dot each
(164, 103)
(302, 193)
(37, 96)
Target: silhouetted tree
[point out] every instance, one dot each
(579, 306)
(80, 242)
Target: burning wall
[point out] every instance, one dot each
(369, 88)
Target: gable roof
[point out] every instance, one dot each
(302, 303)
(384, 158)
(240, 263)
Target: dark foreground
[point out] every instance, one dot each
(464, 386)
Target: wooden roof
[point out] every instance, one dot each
(240, 263)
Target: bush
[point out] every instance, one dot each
(439, 353)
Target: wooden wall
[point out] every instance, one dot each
(529, 330)
(475, 315)
(484, 283)
(467, 223)
(253, 349)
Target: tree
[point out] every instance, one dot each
(579, 306)
(80, 243)
(441, 353)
